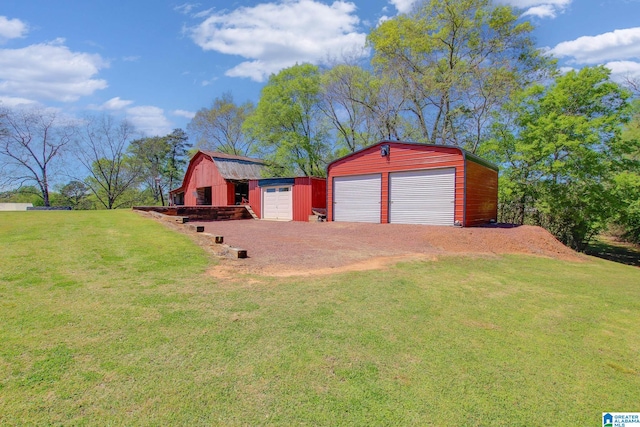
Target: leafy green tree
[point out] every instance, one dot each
(455, 63)
(161, 161)
(32, 145)
(75, 194)
(177, 157)
(561, 153)
(288, 125)
(626, 191)
(151, 154)
(25, 194)
(219, 128)
(626, 187)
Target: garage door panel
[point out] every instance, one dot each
(278, 203)
(357, 198)
(422, 197)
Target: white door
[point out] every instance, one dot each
(277, 203)
(422, 197)
(357, 198)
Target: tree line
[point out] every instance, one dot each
(98, 162)
(464, 73)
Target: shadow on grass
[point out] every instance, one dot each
(609, 249)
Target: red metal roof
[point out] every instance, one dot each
(465, 154)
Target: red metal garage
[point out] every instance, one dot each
(287, 199)
(402, 182)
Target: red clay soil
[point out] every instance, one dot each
(299, 248)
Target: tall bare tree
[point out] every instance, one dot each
(32, 144)
(103, 152)
(633, 83)
(220, 127)
(347, 92)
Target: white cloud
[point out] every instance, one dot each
(613, 46)
(618, 50)
(403, 6)
(258, 70)
(542, 11)
(539, 8)
(184, 113)
(12, 28)
(203, 14)
(523, 4)
(621, 71)
(272, 36)
(149, 119)
(565, 70)
(12, 102)
(49, 71)
(116, 104)
(209, 82)
(186, 8)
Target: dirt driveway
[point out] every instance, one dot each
(295, 248)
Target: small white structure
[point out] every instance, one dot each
(15, 206)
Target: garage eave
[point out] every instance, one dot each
(267, 182)
(465, 154)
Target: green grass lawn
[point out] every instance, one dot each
(606, 247)
(108, 318)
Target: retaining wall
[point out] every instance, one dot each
(201, 213)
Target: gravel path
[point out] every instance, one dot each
(289, 248)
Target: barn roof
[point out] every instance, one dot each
(230, 167)
(220, 155)
(236, 167)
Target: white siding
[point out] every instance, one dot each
(15, 206)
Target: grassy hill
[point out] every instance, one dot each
(109, 318)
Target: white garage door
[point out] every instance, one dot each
(277, 203)
(357, 198)
(422, 197)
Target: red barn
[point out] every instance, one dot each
(288, 199)
(217, 179)
(409, 183)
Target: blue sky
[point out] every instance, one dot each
(158, 62)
